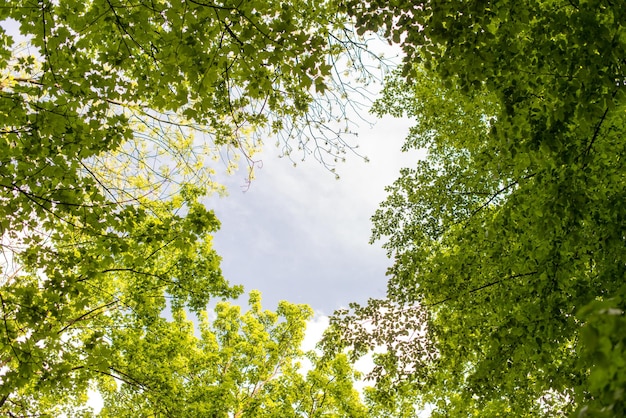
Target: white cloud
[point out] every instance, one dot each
(314, 330)
(95, 401)
(300, 235)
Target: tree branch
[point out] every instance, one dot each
(477, 289)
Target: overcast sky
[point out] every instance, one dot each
(298, 234)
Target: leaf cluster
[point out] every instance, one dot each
(508, 238)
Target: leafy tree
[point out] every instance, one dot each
(116, 101)
(110, 112)
(75, 290)
(506, 295)
(240, 365)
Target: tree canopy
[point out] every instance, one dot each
(111, 114)
(236, 364)
(506, 295)
(242, 364)
(119, 102)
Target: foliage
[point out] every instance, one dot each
(75, 290)
(110, 112)
(131, 99)
(508, 239)
(242, 365)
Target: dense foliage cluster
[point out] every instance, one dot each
(509, 237)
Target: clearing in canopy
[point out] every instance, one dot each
(506, 296)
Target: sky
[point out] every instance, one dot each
(298, 234)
